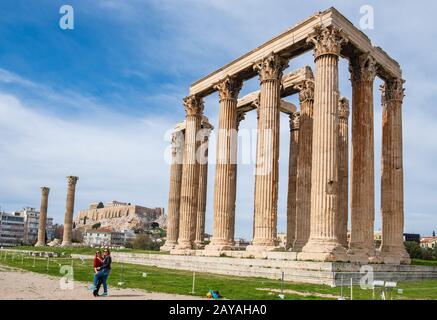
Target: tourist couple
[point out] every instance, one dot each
(102, 268)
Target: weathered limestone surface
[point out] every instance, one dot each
(392, 193)
(68, 220)
(343, 170)
(43, 217)
(174, 198)
(203, 183)
(303, 192)
(323, 244)
(292, 177)
(190, 174)
(267, 162)
(363, 71)
(225, 178)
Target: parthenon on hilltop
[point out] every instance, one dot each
(318, 177)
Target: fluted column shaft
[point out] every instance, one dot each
(292, 178)
(225, 177)
(43, 217)
(363, 71)
(343, 170)
(392, 202)
(174, 195)
(266, 175)
(68, 219)
(203, 182)
(190, 174)
(303, 192)
(323, 243)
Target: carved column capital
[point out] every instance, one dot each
(362, 68)
(294, 121)
(45, 190)
(72, 180)
(271, 67)
(327, 40)
(306, 91)
(193, 106)
(343, 108)
(229, 88)
(393, 90)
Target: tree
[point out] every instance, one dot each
(145, 242)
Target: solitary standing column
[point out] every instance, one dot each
(203, 182)
(68, 220)
(303, 192)
(392, 193)
(323, 244)
(343, 169)
(190, 174)
(363, 72)
(225, 177)
(292, 176)
(174, 195)
(270, 71)
(43, 217)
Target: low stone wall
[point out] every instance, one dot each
(327, 273)
(35, 253)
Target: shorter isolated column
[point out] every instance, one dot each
(343, 170)
(43, 217)
(68, 220)
(392, 193)
(199, 242)
(292, 177)
(174, 195)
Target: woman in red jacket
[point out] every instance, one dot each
(98, 261)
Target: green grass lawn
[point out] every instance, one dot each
(180, 282)
(419, 262)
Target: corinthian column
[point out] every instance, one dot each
(292, 176)
(43, 217)
(203, 182)
(190, 174)
(270, 72)
(225, 177)
(174, 195)
(343, 167)
(363, 71)
(303, 189)
(392, 188)
(323, 244)
(68, 220)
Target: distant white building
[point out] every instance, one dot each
(31, 223)
(11, 229)
(428, 242)
(104, 237)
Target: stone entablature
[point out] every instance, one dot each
(293, 42)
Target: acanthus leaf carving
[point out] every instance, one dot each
(327, 40)
(193, 106)
(343, 108)
(393, 90)
(271, 67)
(363, 68)
(229, 88)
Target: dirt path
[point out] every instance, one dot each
(22, 285)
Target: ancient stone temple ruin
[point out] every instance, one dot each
(318, 179)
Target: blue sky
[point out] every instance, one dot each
(98, 101)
